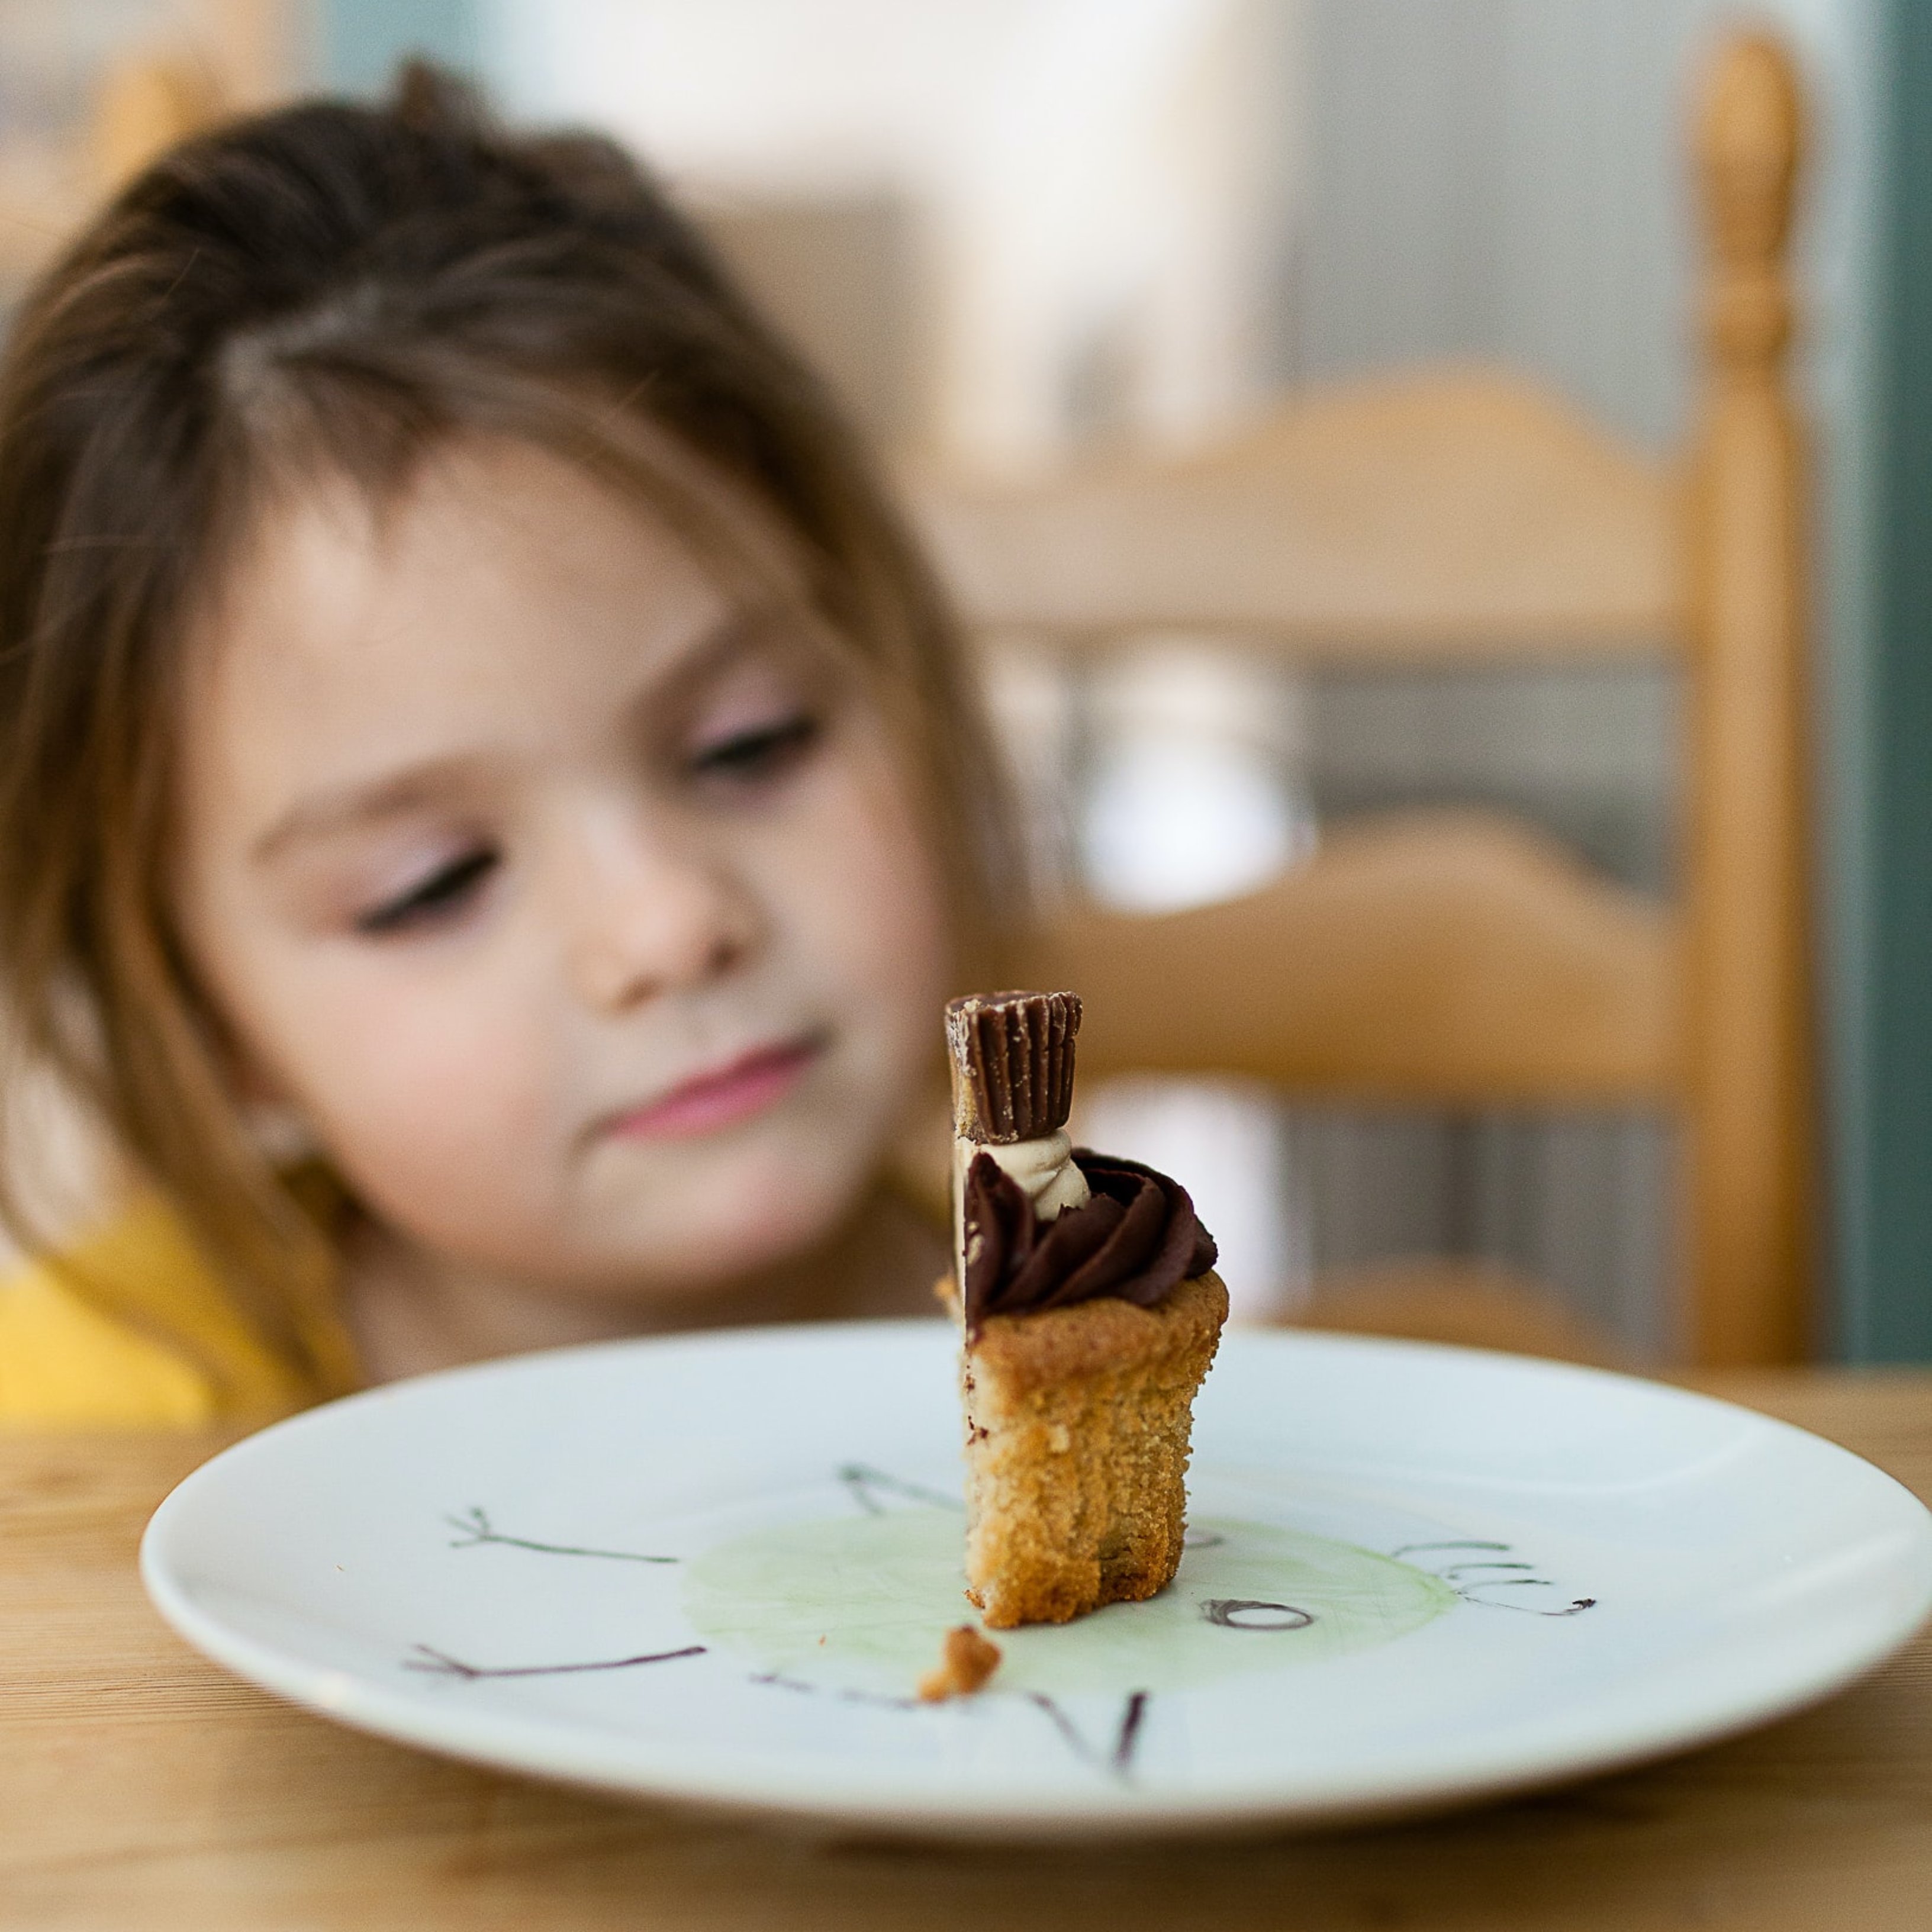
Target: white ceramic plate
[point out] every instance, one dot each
(713, 1568)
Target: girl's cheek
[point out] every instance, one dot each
(438, 1086)
(868, 884)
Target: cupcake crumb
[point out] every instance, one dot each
(966, 1661)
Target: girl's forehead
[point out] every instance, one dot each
(496, 514)
(503, 597)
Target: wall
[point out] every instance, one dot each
(1887, 1097)
(355, 44)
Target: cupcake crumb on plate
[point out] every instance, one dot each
(966, 1661)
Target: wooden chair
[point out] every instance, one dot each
(1461, 960)
(142, 104)
(207, 58)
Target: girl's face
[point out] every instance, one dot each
(575, 901)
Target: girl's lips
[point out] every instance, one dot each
(722, 1098)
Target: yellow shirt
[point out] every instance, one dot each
(190, 1358)
(193, 1359)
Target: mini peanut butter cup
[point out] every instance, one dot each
(1012, 1063)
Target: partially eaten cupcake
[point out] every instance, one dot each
(1085, 1288)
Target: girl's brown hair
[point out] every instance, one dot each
(340, 288)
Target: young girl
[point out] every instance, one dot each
(490, 804)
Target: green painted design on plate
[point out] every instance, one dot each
(860, 1603)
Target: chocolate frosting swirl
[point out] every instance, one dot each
(1137, 1239)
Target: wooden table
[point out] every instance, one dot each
(142, 1790)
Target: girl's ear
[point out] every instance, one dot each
(281, 1133)
(273, 1124)
(277, 1128)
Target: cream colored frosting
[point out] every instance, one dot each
(1046, 1168)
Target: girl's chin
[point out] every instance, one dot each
(729, 1249)
(689, 1229)
(771, 1214)
(773, 1175)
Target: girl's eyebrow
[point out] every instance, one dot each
(333, 813)
(338, 812)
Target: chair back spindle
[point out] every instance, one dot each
(1748, 1071)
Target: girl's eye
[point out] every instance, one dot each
(445, 892)
(763, 751)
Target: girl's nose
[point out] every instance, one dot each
(651, 921)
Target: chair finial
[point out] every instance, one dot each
(1750, 132)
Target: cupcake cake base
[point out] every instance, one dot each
(1078, 1424)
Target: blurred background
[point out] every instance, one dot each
(1012, 232)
